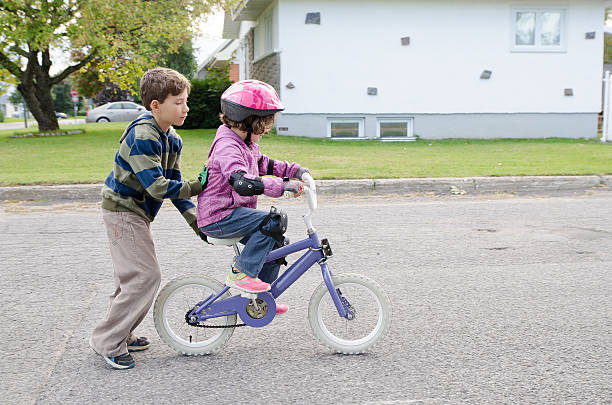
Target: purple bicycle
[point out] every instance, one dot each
(349, 313)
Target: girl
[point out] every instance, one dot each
(226, 208)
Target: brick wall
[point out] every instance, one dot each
(267, 69)
(234, 72)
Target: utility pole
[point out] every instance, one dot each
(25, 112)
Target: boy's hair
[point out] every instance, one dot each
(258, 125)
(158, 83)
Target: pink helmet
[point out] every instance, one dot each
(250, 97)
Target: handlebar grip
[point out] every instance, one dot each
(311, 190)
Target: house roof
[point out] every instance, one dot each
(220, 56)
(231, 28)
(246, 10)
(249, 10)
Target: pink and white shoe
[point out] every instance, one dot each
(245, 283)
(281, 309)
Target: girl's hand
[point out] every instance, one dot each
(293, 186)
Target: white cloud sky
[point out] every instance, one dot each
(209, 37)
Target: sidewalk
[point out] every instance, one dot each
(518, 185)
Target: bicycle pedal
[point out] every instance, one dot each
(248, 295)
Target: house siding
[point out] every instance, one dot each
(437, 76)
(440, 126)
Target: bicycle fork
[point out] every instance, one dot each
(344, 307)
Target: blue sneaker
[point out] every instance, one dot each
(139, 344)
(120, 362)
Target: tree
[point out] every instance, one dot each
(62, 99)
(89, 84)
(183, 60)
(102, 33)
(6, 80)
(15, 98)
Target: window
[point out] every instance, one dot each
(129, 106)
(268, 34)
(395, 129)
(116, 106)
(345, 128)
(538, 30)
(263, 35)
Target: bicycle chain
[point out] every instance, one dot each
(198, 325)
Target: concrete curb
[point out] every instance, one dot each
(519, 185)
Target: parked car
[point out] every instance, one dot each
(61, 115)
(116, 111)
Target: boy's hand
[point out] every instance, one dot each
(203, 177)
(295, 187)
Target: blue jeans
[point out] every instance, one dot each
(244, 222)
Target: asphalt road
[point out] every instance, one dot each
(495, 300)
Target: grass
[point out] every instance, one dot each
(87, 158)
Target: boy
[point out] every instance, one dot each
(146, 171)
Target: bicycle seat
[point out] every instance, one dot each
(224, 241)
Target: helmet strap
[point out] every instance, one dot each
(247, 140)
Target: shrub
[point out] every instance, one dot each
(1, 115)
(204, 100)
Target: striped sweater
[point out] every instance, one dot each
(147, 170)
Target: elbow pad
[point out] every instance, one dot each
(245, 186)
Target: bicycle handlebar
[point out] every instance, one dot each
(311, 191)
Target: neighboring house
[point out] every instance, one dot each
(8, 109)
(433, 68)
(221, 57)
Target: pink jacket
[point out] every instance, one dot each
(229, 154)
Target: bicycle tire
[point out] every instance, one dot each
(170, 321)
(374, 315)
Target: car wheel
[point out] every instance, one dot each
(102, 119)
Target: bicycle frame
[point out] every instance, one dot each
(211, 308)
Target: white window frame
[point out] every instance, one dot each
(264, 35)
(537, 47)
(409, 128)
(342, 120)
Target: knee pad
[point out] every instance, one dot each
(275, 224)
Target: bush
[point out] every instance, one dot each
(204, 100)
(1, 115)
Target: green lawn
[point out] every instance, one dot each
(88, 157)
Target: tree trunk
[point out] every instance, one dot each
(40, 103)
(35, 87)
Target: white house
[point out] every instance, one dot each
(7, 108)
(221, 57)
(433, 68)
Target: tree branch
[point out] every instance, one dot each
(9, 65)
(70, 69)
(19, 51)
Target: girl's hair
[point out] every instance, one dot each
(259, 125)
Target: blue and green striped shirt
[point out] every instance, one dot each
(147, 170)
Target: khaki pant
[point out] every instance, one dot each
(137, 276)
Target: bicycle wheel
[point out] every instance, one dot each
(371, 307)
(172, 304)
